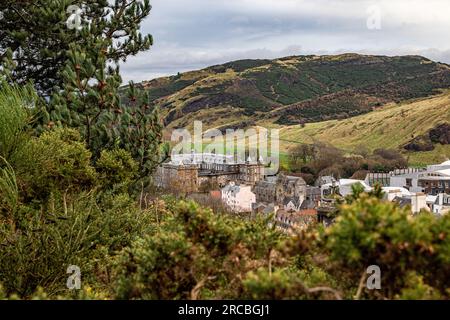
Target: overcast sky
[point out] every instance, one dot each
(192, 34)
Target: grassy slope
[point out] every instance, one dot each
(261, 92)
(293, 90)
(389, 127)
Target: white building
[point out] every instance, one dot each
(292, 204)
(407, 180)
(390, 193)
(435, 167)
(344, 186)
(432, 180)
(196, 158)
(441, 204)
(417, 202)
(239, 198)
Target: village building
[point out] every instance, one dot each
(441, 204)
(416, 201)
(263, 209)
(324, 180)
(435, 182)
(238, 198)
(313, 194)
(292, 204)
(290, 222)
(266, 191)
(390, 193)
(433, 179)
(381, 178)
(205, 172)
(343, 187)
(276, 190)
(326, 211)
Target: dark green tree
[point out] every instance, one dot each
(90, 102)
(36, 35)
(81, 70)
(140, 130)
(89, 97)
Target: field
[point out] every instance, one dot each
(389, 127)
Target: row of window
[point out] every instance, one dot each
(434, 184)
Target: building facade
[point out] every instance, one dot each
(190, 176)
(238, 198)
(441, 205)
(276, 190)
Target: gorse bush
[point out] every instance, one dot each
(56, 162)
(194, 254)
(117, 169)
(178, 250)
(288, 283)
(16, 113)
(59, 220)
(55, 210)
(373, 232)
(9, 191)
(38, 247)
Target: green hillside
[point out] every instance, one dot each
(392, 126)
(293, 90)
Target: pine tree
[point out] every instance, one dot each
(90, 102)
(89, 97)
(79, 71)
(140, 130)
(36, 35)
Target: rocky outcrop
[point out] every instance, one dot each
(440, 134)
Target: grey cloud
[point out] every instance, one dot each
(191, 34)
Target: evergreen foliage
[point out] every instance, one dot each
(37, 37)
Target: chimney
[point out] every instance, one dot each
(418, 202)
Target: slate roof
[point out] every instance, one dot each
(402, 201)
(295, 200)
(233, 189)
(307, 204)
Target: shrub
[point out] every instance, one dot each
(288, 284)
(193, 254)
(373, 232)
(116, 169)
(38, 246)
(9, 192)
(56, 162)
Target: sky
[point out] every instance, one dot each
(193, 34)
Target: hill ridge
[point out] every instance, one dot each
(294, 89)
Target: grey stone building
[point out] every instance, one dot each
(192, 176)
